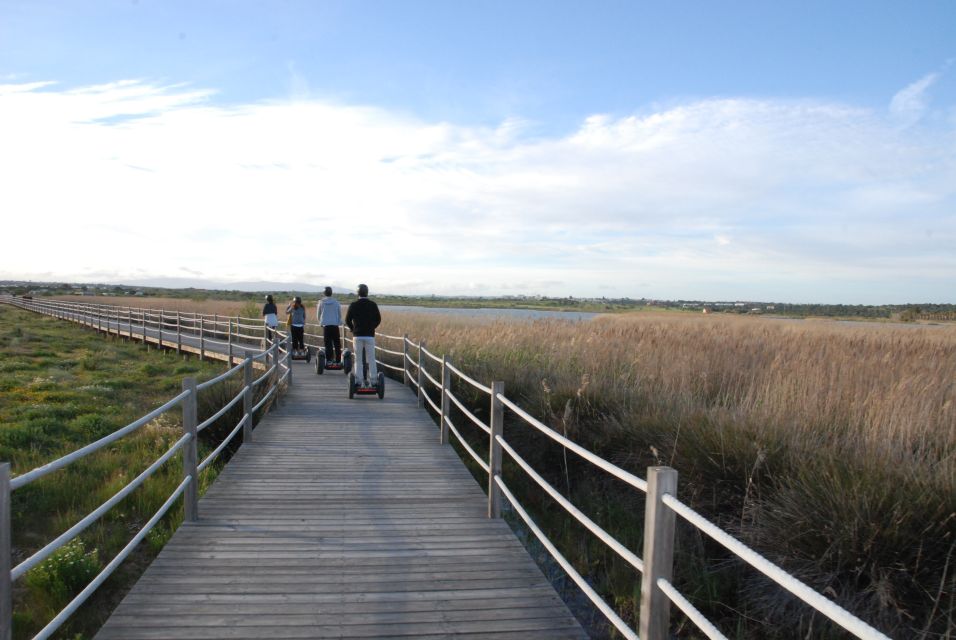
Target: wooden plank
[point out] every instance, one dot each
(343, 519)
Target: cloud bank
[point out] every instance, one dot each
(801, 200)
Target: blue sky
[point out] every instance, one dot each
(792, 151)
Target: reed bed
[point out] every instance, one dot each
(828, 446)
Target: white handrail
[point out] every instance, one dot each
(61, 617)
(830, 609)
(430, 378)
(589, 524)
(461, 441)
(614, 470)
(431, 355)
(682, 603)
(432, 404)
(469, 380)
(59, 463)
(481, 425)
(592, 595)
(222, 445)
(97, 513)
(220, 378)
(208, 421)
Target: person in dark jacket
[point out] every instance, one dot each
(271, 317)
(362, 319)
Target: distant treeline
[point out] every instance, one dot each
(904, 312)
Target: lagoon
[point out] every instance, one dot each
(493, 314)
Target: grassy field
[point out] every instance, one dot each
(62, 387)
(829, 448)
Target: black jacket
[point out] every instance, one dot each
(363, 318)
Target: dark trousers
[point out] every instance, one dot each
(298, 337)
(333, 342)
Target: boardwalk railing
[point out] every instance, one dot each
(275, 364)
(661, 506)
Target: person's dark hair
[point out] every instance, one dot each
(298, 300)
(269, 299)
(363, 290)
(328, 291)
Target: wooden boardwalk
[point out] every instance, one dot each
(343, 519)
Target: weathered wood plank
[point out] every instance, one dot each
(343, 519)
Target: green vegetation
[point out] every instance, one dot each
(62, 387)
(827, 447)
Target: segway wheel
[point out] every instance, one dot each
(351, 387)
(347, 362)
(380, 387)
(308, 355)
(320, 363)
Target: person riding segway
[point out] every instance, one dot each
(329, 314)
(362, 319)
(297, 327)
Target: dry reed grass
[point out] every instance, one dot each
(222, 307)
(829, 446)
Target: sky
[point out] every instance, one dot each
(775, 151)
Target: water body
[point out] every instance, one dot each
(493, 314)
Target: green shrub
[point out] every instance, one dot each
(64, 574)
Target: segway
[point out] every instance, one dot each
(345, 364)
(365, 389)
(302, 354)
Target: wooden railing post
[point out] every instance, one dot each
(191, 452)
(179, 332)
(229, 320)
(247, 397)
(288, 357)
(202, 338)
(275, 363)
(6, 584)
(161, 320)
(445, 400)
(129, 322)
(658, 553)
(406, 378)
(421, 376)
(494, 449)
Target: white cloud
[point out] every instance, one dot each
(910, 103)
(699, 200)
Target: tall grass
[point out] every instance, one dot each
(830, 448)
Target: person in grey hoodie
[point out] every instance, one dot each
(329, 314)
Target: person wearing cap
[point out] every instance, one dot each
(297, 323)
(271, 317)
(329, 314)
(362, 318)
